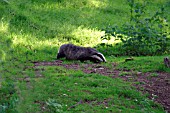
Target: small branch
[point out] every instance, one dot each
(73, 106)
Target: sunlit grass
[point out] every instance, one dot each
(28, 40)
(86, 37)
(98, 4)
(74, 4)
(3, 25)
(2, 55)
(142, 63)
(92, 35)
(33, 31)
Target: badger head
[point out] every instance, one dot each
(98, 57)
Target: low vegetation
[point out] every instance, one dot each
(32, 31)
(143, 33)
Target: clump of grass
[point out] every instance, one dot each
(54, 106)
(124, 73)
(8, 96)
(154, 74)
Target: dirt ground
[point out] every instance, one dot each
(157, 84)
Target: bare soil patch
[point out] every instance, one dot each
(157, 84)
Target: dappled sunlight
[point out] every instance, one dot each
(2, 56)
(34, 79)
(87, 37)
(54, 19)
(93, 36)
(47, 6)
(3, 26)
(58, 5)
(112, 41)
(97, 3)
(32, 42)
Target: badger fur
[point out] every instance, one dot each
(73, 52)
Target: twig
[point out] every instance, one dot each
(73, 106)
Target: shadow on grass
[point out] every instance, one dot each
(50, 22)
(55, 22)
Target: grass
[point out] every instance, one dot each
(141, 64)
(67, 88)
(124, 73)
(33, 31)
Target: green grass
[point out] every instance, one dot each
(67, 88)
(142, 63)
(33, 30)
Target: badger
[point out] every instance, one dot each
(73, 52)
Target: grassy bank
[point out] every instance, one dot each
(33, 30)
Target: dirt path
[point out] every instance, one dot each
(156, 84)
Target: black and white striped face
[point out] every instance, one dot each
(102, 57)
(99, 57)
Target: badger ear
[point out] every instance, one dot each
(96, 58)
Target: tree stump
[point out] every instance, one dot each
(167, 62)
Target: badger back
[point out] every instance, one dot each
(77, 53)
(73, 52)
